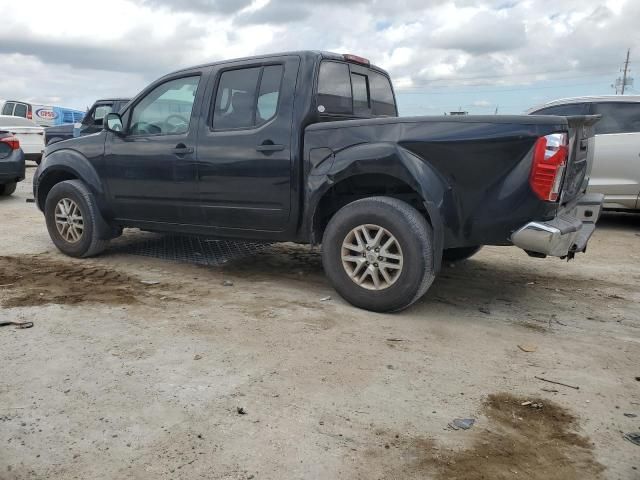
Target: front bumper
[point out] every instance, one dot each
(565, 235)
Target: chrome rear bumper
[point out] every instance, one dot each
(565, 235)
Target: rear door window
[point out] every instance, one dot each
(8, 108)
(247, 97)
(617, 117)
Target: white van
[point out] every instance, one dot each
(43, 115)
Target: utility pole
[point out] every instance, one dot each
(626, 80)
(626, 67)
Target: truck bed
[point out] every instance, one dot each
(479, 166)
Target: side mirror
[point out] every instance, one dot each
(113, 123)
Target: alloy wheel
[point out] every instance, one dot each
(372, 257)
(69, 220)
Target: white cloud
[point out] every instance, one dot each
(80, 52)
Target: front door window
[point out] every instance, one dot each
(166, 110)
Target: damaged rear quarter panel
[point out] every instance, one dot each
(471, 173)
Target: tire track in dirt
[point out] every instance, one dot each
(32, 280)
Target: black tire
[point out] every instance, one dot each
(459, 254)
(7, 189)
(89, 243)
(414, 236)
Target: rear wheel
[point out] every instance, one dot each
(459, 254)
(72, 219)
(7, 189)
(378, 254)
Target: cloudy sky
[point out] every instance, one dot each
(442, 54)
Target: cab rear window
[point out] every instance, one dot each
(342, 91)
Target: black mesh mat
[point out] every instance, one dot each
(182, 248)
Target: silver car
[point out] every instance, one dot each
(616, 165)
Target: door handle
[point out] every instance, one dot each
(182, 149)
(269, 146)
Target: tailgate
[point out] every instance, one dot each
(580, 162)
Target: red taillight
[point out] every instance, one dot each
(550, 155)
(356, 59)
(13, 142)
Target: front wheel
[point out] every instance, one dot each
(72, 219)
(378, 254)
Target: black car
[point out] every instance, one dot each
(91, 123)
(308, 147)
(12, 166)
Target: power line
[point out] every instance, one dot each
(457, 77)
(520, 89)
(423, 86)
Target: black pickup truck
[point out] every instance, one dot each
(307, 147)
(91, 122)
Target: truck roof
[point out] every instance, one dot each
(300, 53)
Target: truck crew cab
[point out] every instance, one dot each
(307, 147)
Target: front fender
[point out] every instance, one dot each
(385, 159)
(66, 162)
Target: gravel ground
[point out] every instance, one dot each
(143, 368)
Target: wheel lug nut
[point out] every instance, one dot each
(368, 248)
(377, 250)
(380, 258)
(375, 265)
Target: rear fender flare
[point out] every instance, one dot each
(385, 159)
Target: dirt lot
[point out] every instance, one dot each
(143, 368)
